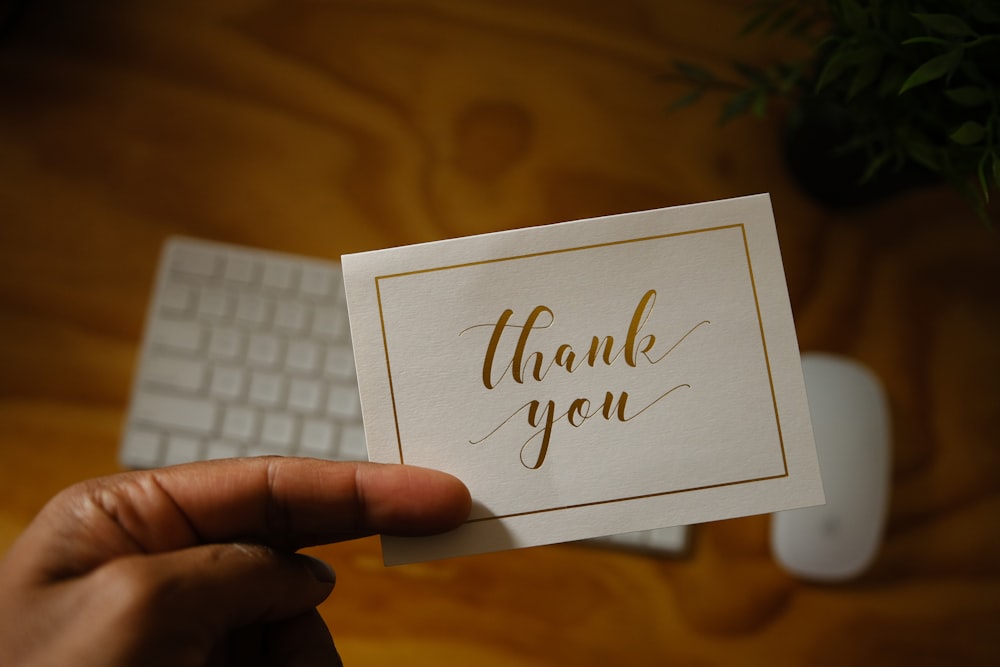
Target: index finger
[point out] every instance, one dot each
(287, 503)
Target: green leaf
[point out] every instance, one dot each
(757, 20)
(760, 104)
(866, 75)
(828, 42)
(970, 132)
(967, 96)
(855, 17)
(946, 24)
(851, 54)
(891, 81)
(753, 74)
(737, 105)
(802, 26)
(694, 72)
(686, 100)
(874, 167)
(924, 154)
(937, 41)
(933, 69)
(979, 41)
(833, 68)
(788, 75)
(983, 184)
(783, 17)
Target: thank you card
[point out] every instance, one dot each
(588, 378)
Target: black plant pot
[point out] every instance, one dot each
(816, 134)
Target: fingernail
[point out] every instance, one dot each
(320, 570)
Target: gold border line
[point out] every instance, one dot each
(657, 494)
(760, 322)
(388, 369)
(554, 252)
(767, 358)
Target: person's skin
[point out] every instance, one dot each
(195, 564)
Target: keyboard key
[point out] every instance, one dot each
(341, 293)
(278, 430)
(316, 281)
(184, 336)
(635, 539)
(175, 373)
(343, 402)
(220, 449)
(239, 270)
(225, 344)
(330, 323)
(177, 298)
(668, 541)
(340, 363)
(305, 395)
(303, 356)
(290, 316)
(193, 261)
(181, 449)
(141, 448)
(265, 389)
(185, 414)
(227, 383)
(278, 275)
(239, 423)
(260, 449)
(317, 438)
(263, 350)
(352, 444)
(213, 303)
(251, 309)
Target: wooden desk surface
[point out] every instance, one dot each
(328, 127)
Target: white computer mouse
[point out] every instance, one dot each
(850, 415)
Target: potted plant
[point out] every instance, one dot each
(891, 93)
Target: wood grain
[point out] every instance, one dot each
(324, 127)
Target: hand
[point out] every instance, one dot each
(195, 564)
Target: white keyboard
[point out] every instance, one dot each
(248, 352)
(671, 540)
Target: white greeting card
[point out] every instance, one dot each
(588, 378)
